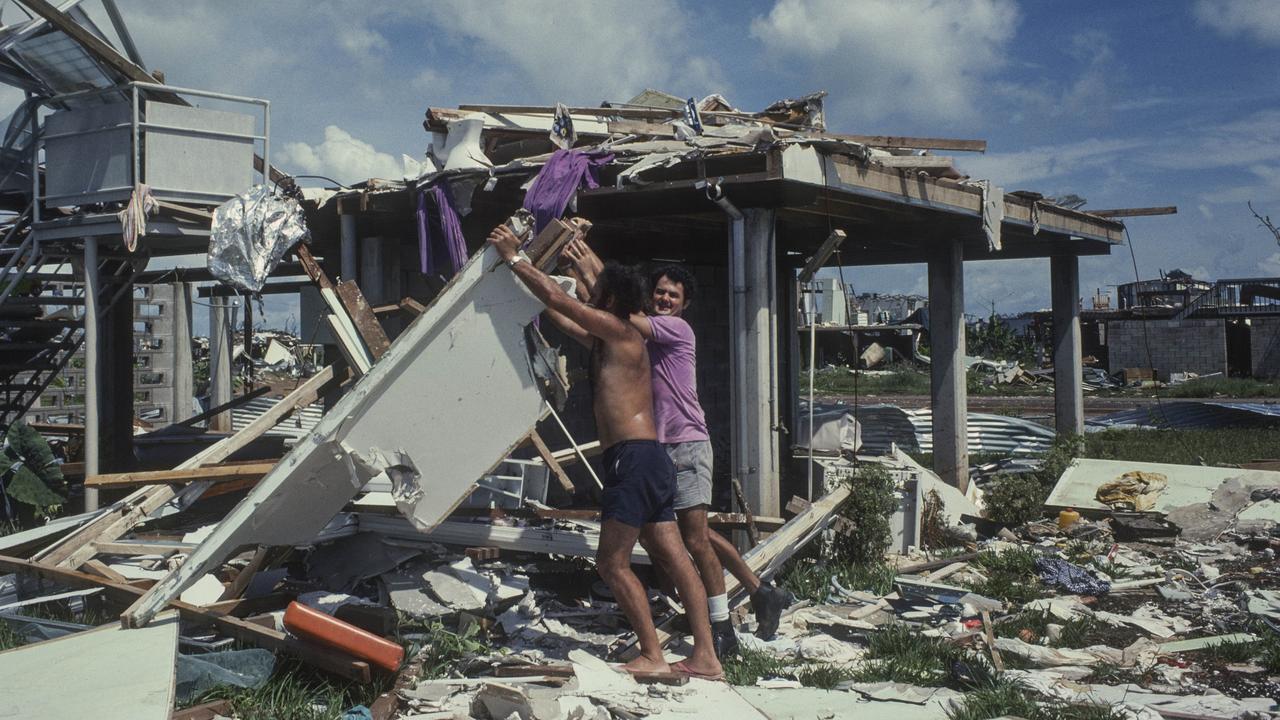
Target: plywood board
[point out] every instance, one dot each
(451, 397)
(81, 675)
(1188, 484)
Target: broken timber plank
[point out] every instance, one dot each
(765, 558)
(212, 473)
(752, 533)
(921, 162)
(335, 662)
(212, 710)
(550, 460)
(399, 419)
(124, 514)
(363, 317)
(233, 402)
(1135, 212)
(245, 576)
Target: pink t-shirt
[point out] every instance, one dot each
(676, 410)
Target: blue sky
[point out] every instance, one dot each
(1123, 103)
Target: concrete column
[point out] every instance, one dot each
(947, 387)
(92, 378)
(1068, 387)
(373, 270)
(219, 361)
(349, 251)
(183, 384)
(756, 364)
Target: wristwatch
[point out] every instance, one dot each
(517, 258)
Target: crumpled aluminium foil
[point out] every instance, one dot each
(251, 232)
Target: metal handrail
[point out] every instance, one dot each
(137, 126)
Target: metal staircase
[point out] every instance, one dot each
(41, 314)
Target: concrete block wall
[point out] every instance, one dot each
(1264, 347)
(1198, 346)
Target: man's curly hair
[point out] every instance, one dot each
(624, 287)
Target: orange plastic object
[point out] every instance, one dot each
(1067, 518)
(307, 622)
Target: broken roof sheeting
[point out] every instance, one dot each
(912, 430)
(1184, 414)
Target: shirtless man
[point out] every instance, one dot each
(639, 482)
(682, 429)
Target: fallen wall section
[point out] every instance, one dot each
(452, 396)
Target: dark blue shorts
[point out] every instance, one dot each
(639, 483)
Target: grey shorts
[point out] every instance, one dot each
(693, 472)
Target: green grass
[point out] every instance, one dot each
(1223, 387)
(1230, 446)
(1010, 575)
(898, 380)
(748, 666)
(1008, 698)
(899, 653)
(811, 580)
(296, 692)
(1076, 633)
(444, 648)
(9, 527)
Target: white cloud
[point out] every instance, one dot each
(1049, 162)
(360, 41)
(1257, 19)
(922, 58)
(341, 157)
(579, 51)
(1270, 264)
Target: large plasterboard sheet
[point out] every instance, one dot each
(107, 674)
(449, 400)
(1188, 484)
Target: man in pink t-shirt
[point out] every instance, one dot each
(682, 430)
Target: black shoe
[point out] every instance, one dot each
(768, 602)
(724, 639)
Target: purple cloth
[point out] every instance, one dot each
(441, 247)
(559, 179)
(672, 353)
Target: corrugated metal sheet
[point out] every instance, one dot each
(1186, 414)
(296, 426)
(912, 431)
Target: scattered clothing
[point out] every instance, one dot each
(559, 180)
(441, 247)
(1056, 572)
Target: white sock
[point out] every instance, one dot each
(718, 606)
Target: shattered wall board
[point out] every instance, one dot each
(81, 675)
(449, 400)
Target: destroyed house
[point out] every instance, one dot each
(746, 200)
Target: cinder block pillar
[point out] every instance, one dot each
(1068, 386)
(947, 372)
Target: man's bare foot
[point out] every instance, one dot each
(704, 670)
(644, 664)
